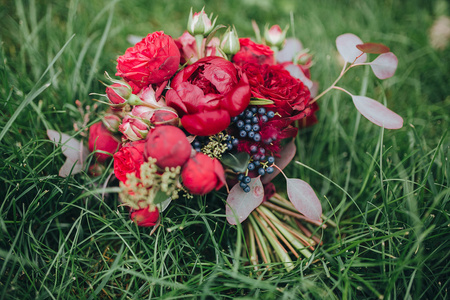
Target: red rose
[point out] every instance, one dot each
(168, 145)
(145, 217)
(289, 94)
(100, 138)
(129, 160)
(207, 93)
(152, 60)
(201, 174)
(252, 52)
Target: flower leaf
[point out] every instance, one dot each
(287, 153)
(303, 198)
(373, 48)
(346, 45)
(377, 113)
(384, 65)
(240, 204)
(238, 162)
(260, 101)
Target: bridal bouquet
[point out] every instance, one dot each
(211, 112)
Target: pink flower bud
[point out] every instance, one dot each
(199, 23)
(275, 36)
(100, 138)
(145, 217)
(118, 93)
(168, 145)
(201, 174)
(230, 42)
(165, 116)
(134, 128)
(112, 122)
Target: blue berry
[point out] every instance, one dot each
(234, 119)
(247, 189)
(248, 127)
(243, 185)
(251, 134)
(253, 148)
(240, 176)
(243, 133)
(271, 159)
(257, 137)
(262, 150)
(256, 127)
(257, 163)
(261, 110)
(253, 109)
(251, 166)
(270, 114)
(255, 120)
(235, 142)
(248, 121)
(248, 114)
(240, 124)
(263, 158)
(229, 147)
(268, 141)
(246, 179)
(256, 157)
(241, 115)
(197, 149)
(264, 118)
(261, 171)
(196, 144)
(270, 170)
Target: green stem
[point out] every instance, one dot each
(199, 42)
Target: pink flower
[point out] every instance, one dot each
(168, 145)
(201, 174)
(118, 93)
(275, 36)
(207, 94)
(151, 61)
(129, 160)
(145, 217)
(199, 23)
(188, 49)
(100, 138)
(251, 52)
(134, 128)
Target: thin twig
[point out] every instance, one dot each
(293, 214)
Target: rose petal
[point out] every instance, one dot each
(206, 123)
(377, 113)
(241, 204)
(291, 47)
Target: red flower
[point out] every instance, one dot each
(188, 48)
(129, 160)
(145, 217)
(290, 96)
(100, 138)
(152, 60)
(168, 145)
(202, 174)
(207, 93)
(252, 52)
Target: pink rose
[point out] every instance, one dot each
(188, 48)
(145, 217)
(151, 61)
(100, 138)
(207, 94)
(133, 128)
(252, 52)
(129, 160)
(168, 145)
(201, 174)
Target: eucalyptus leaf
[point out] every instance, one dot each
(238, 162)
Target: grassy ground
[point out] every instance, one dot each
(388, 191)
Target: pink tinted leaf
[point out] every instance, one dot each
(304, 198)
(377, 113)
(241, 204)
(373, 48)
(287, 153)
(70, 167)
(291, 47)
(346, 45)
(384, 65)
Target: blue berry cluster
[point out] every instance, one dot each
(248, 122)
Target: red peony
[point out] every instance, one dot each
(145, 217)
(290, 95)
(152, 60)
(100, 138)
(202, 174)
(168, 145)
(207, 94)
(129, 160)
(252, 52)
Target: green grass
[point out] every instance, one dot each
(388, 191)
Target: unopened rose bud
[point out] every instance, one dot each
(230, 42)
(112, 122)
(165, 116)
(96, 169)
(274, 36)
(101, 139)
(200, 24)
(118, 94)
(134, 128)
(146, 217)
